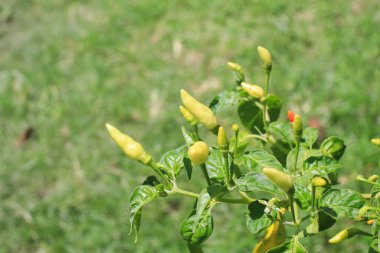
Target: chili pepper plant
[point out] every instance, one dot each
(276, 170)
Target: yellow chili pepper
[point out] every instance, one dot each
(188, 116)
(283, 180)
(297, 126)
(201, 112)
(376, 141)
(265, 56)
(198, 152)
(130, 147)
(222, 139)
(253, 90)
(342, 235)
(373, 178)
(318, 182)
(274, 236)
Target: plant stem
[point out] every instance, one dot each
(291, 203)
(196, 132)
(313, 198)
(296, 156)
(187, 193)
(227, 169)
(195, 248)
(267, 76)
(236, 168)
(259, 137)
(234, 201)
(246, 197)
(204, 170)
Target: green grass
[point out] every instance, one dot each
(68, 67)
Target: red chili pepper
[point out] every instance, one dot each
(291, 116)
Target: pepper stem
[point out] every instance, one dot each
(267, 76)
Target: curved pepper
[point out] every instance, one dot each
(283, 180)
(188, 116)
(265, 56)
(253, 90)
(130, 147)
(201, 112)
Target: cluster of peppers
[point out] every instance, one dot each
(304, 179)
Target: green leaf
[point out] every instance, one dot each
(198, 227)
(303, 154)
(250, 114)
(333, 147)
(321, 166)
(318, 223)
(341, 203)
(243, 142)
(257, 219)
(215, 166)
(253, 182)
(303, 196)
(225, 98)
(188, 166)
(189, 137)
(256, 160)
(141, 196)
(292, 246)
(151, 180)
(310, 136)
(281, 131)
(274, 104)
(173, 161)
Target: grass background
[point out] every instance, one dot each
(67, 67)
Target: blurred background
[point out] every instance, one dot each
(68, 67)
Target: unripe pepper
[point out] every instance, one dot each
(239, 72)
(376, 141)
(198, 152)
(188, 116)
(373, 178)
(253, 90)
(266, 57)
(235, 127)
(318, 182)
(347, 233)
(201, 112)
(297, 127)
(222, 139)
(342, 235)
(283, 180)
(130, 147)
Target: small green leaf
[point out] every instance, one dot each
(188, 166)
(250, 114)
(243, 141)
(173, 161)
(310, 136)
(253, 182)
(224, 99)
(189, 137)
(333, 147)
(198, 227)
(303, 154)
(281, 131)
(318, 223)
(341, 203)
(256, 160)
(292, 246)
(215, 166)
(257, 219)
(321, 166)
(303, 196)
(274, 104)
(141, 196)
